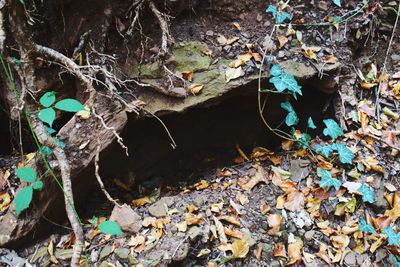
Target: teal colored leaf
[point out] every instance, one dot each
(324, 150)
(23, 199)
(304, 140)
(27, 174)
(38, 185)
(276, 70)
(332, 129)
(70, 105)
(291, 118)
(365, 227)
(327, 180)
(337, 2)
(16, 61)
(50, 130)
(59, 142)
(46, 150)
(47, 115)
(284, 82)
(272, 9)
(310, 123)
(48, 99)
(282, 16)
(393, 238)
(110, 228)
(93, 220)
(345, 154)
(368, 194)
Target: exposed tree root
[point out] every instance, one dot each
(165, 36)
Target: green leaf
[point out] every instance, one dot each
(47, 115)
(310, 123)
(59, 142)
(365, 227)
(368, 194)
(393, 238)
(324, 150)
(38, 185)
(284, 82)
(16, 61)
(282, 16)
(272, 9)
(46, 150)
(23, 199)
(304, 140)
(337, 2)
(291, 118)
(110, 228)
(332, 129)
(276, 70)
(345, 154)
(327, 180)
(48, 99)
(50, 130)
(70, 105)
(27, 174)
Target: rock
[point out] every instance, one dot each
(194, 232)
(94, 255)
(301, 219)
(299, 169)
(11, 258)
(209, 33)
(122, 253)
(160, 208)
(308, 236)
(105, 252)
(259, 18)
(127, 218)
(275, 263)
(350, 259)
(323, 5)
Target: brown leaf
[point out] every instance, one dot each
(192, 219)
(233, 233)
(203, 184)
(294, 250)
(259, 251)
(282, 40)
(394, 213)
(237, 26)
(340, 242)
(188, 75)
(294, 201)
(274, 223)
(280, 250)
(232, 40)
(229, 219)
(259, 177)
(5, 201)
(141, 201)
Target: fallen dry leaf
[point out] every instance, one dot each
(248, 184)
(394, 213)
(294, 201)
(203, 184)
(274, 223)
(294, 250)
(340, 241)
(259, 251)
(192, 219)
(5, 201)
(187, 75)
(280, 250)
(282, 39)
(229, 219)
(232, 40)
(237, 26)
(240, 248)
(141, 201)
(233, 73)
(233, 233)
(220, 230)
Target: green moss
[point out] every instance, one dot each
(190, 57)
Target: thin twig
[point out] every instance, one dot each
(391, 38)
(165, 35)
(98, 177)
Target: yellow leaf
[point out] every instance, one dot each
(229, 219)
(136, 241)
(340, 242)
(192, 219)
(294, 250)
(195, 88)
(237, 26)
(248, 184)
(203, 184)
(240, 248)
(5, 201)
(232, 40)
(282, 40)
(141, 201)
(30, 156)
(233, 233)
(203, 252)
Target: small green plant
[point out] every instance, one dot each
(365, 227)
(278, 14)
(327, 180)
(24, 197)
(392, 236)
(337, 2)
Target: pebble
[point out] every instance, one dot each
(350, 259)
(105, 252)
(259, 17)
(309, 235)
(209, 33)
(122, 253)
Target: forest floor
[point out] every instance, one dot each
(283, 206)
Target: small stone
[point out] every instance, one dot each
(209, 33)
(323, 5)
(259, 18)
(227, 48)
(122, 253)
(155, 50)
(127, 218)
(350, 259)
(281, 54)
(194, 232)
(275, 263)
(309, 235)
(105, 252)
(160, 208)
